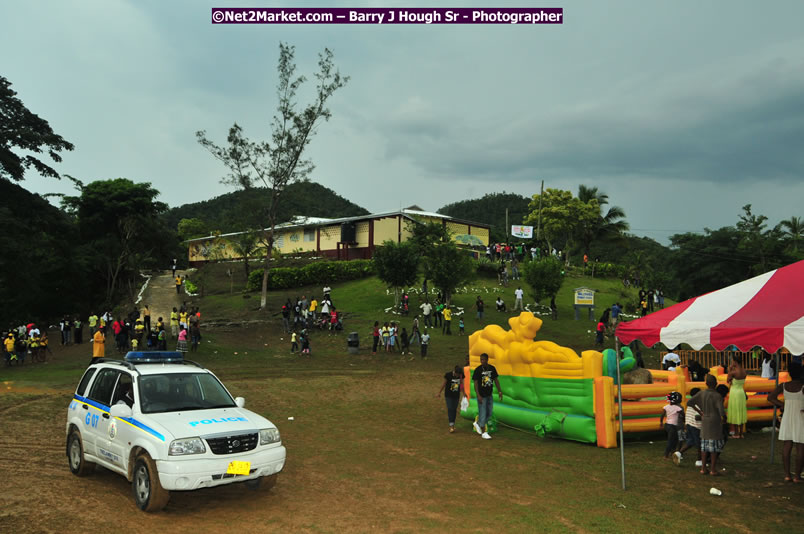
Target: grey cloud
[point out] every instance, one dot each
(752, 129)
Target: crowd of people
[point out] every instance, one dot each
(131, 332)
(707, 426)
(650, 300)
(300, 315)
(392, 337)
(25, 341)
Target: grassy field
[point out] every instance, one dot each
(368, 447)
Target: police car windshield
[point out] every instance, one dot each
(182, 392)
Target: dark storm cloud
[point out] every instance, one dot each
(752, 129)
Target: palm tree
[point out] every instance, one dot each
(608, 227)
(793, 230)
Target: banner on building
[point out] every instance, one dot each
(525, 232)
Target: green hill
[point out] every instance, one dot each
(490, 209)
(241, 209)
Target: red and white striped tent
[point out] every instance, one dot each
(767, 310)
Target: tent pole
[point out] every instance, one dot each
(620, 406)
(773, 426)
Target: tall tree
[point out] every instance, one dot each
(544, 277)
(562, 215)
(397, 265)
(118, 219)
(277, 163)
(793, 231)
(709, 261)
(757, 240)
(246, 244)
(639, 267)
(449, 267)
(24, 130)
(608, 226)
(43, 274)
(425, 238)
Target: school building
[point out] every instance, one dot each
(347, 238)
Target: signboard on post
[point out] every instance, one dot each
(525, 232)
(584, 296)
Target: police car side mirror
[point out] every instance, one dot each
(241, 402)
(120, 410)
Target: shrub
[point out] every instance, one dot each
(190, 287)
(486, 267)
(315, 273)
(610, 270)
(544, 277)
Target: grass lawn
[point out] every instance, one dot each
(368, 447)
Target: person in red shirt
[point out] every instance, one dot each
(117, 328)
(376, 335)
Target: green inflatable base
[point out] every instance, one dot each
(554, 423)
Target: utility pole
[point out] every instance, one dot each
(539, 223)
(506, 226)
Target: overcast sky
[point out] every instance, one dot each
(681, 111)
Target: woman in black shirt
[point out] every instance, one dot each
(452, 393)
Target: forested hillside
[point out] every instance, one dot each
(242, 209)
(490, 209)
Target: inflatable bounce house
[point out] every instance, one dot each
(549, 389)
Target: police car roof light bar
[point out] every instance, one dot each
(154, 357)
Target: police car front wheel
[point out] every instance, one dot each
(149, 495)
(75, 455)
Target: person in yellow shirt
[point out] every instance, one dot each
(183, 320)
(139, 328)
(93, 324)
(33, 344)
(43, 346)
(174, 323)
(98, 345)
(160, 325)
(447, 321)
(178, 285)
(8, 343)
(313, 307)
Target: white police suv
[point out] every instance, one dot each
(167, 424)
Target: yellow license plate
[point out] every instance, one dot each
(239, 468)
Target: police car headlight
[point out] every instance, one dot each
(268, 436)
(180, 447)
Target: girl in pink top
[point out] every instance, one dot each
(674, 413)
(181, 344)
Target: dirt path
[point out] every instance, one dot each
(161, 297)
